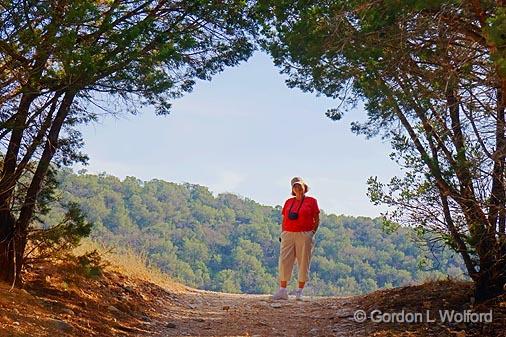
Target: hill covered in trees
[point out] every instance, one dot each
(230, 243)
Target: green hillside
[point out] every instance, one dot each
(230, 243)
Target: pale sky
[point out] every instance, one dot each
(247, 133)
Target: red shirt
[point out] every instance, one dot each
(305, 221)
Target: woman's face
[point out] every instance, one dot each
(298, 189)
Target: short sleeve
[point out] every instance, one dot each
(284, 208)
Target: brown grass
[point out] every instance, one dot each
(125, 261)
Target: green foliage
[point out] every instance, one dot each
(91, 265)
(497, 37)
(229, 243)
(47, 239)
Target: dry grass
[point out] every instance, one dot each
(127, 262)
(67, 298)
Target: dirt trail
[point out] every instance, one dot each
(60, 302)
(203, 313)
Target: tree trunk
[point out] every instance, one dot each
(491, 280)
(8, 244)
(492, 274)
(8, 259)
(13, 233)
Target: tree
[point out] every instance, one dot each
(58, 58)
(432, 75)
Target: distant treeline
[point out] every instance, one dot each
(230, 243)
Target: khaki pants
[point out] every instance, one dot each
(295, 245)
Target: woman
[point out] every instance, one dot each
(301, 219)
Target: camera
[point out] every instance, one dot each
(294, 215)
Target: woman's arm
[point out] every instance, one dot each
(316, 218)
(316, 222)
(281, 229)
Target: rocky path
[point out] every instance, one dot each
(202, 313)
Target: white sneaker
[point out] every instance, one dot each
(298, 294)
(281, 294)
